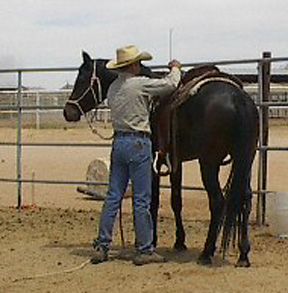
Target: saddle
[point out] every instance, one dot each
(195, 78)
(190, 84)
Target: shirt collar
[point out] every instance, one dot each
(125, 75)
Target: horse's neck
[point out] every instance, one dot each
(105, 75)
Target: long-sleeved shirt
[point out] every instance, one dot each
(129, 99)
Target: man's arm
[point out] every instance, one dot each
(166, 85)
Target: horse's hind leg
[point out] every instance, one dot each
(217, 205)
(243, 244)
(176, 203)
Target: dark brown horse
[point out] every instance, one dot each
(219, 120)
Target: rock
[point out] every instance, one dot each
(98, 172)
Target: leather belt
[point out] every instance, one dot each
(142, 134)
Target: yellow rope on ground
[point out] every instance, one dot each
(53, 273)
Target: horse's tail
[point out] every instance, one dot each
(236, 191)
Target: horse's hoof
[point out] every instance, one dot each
(180, 247)
(243, 263)
(204, 260)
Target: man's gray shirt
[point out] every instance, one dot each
(129, 99)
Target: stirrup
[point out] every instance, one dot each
(165, 168)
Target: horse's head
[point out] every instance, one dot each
(90, 88)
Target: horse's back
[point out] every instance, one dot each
(209, 121)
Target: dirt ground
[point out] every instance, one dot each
(47, 246)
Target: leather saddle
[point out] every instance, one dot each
(195, 78)
(191, 83)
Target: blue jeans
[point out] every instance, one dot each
(131, 158)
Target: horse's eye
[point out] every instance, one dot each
(82, 79)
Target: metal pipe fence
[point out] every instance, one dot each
(20, 108)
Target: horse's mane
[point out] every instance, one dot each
(146, 71)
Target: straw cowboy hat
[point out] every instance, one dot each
(127, 55)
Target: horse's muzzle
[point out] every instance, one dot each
(71, 113)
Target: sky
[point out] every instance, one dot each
(53, 33)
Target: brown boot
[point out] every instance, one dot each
(146, 258)
(100, 255)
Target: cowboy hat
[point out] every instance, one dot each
(127, 55)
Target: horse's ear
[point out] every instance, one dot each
(86, 57)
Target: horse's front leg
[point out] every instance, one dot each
(176, 203)
(155, 205)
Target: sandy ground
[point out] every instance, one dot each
(46, 247)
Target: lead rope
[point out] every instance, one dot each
(94, 130)
(94, 78)
(121, 225)
(97, 101)
(81, 266)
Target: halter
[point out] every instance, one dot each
(94, 78)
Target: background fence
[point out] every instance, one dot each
(40, 116)
(44, 108)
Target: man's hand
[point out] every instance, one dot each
(174, 63)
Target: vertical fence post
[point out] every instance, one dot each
(260, 169)
(19, 140)
(37, 110)
(264, 93)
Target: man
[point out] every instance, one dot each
(129, 98)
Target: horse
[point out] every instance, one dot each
(217, 121)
